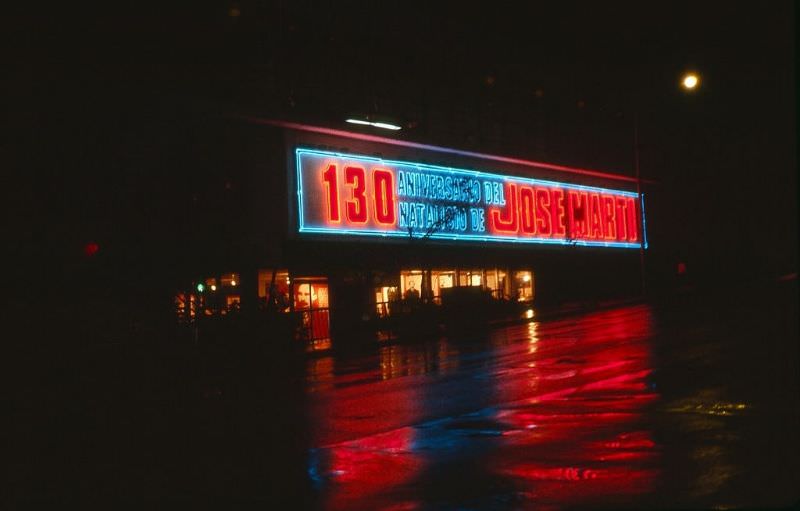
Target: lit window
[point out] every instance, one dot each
(442, 280)
(278, 295)
(310, 295)
(230, 279)
(497, 282)
(384, 298)
(470, 278)
(311, 301)
(302, 296)
(523, 284)
(411, 284)
(185, 306)
(319, 295)
(491, 279)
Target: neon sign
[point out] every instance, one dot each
(353, 195)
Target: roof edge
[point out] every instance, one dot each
(445, 150)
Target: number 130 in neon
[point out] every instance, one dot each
(357, 204)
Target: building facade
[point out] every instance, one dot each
(350, 232)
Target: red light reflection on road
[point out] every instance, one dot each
(556, 409)
(365, 471)
(583, 437)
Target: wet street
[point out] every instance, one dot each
(690, 402)
(628, 407)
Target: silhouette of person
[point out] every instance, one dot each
(411, 292)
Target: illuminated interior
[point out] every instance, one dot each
(413, 284)
(277, 297)
(385, 296)
(306, 298)
(441, 280)
(186, 306)
(497, 283)
(230, 280)
(523, 282)
(233, 302)
(310, 300)
(310, 295)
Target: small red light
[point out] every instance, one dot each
(681, 268)
(90, 249)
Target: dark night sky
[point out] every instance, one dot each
(100, 105)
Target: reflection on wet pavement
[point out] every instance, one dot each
(690, 403)
(558, 414)
(568, 428)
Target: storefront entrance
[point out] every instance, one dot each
(310, 301)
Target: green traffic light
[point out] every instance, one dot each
(200, 287)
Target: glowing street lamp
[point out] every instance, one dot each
(690, 81)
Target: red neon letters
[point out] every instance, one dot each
(546, 212)
(380, 190)
(383, 183)
(329, 178)
(382, 199)
(507, 223)
(357, 204)
(526, 209)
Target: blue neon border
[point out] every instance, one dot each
(458, 237)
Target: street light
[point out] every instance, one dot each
(690, 81)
